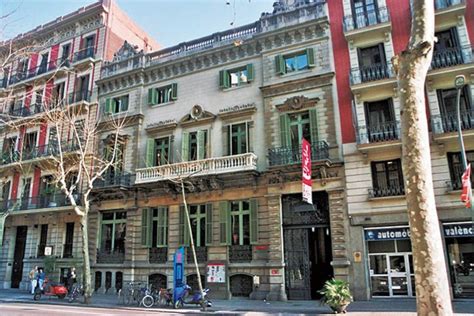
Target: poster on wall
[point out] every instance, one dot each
(307, 184)
(215, 273)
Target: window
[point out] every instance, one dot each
(158, 151)
(295, 62)
(23, 67)
(201, 225)
(163, 94)
(9, 149)
(447, 51)
(116, 105)
(66, 51)
(372, 63)
(113, 232)
(43, 240)
(381, 124)
(365, 12)
(29, 145)
(236, 77)
(116, 169)
(43, 67)
(295, 126)
(387, 178)
(238, 138)
(155, 227)
(456, 168)
(238, 221)
(58, 93)
(69, 240)
(447, 99)
(194, 145)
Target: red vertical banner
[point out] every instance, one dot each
(307, 183)
(466, 187)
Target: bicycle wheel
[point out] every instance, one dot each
(148, 301)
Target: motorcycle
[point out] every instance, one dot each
(182, 296)
(50, 289)
(76, 291)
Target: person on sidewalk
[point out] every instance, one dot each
(71, 279)
(33, 279)
(41, 278)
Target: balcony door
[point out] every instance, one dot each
(5, 195)
(29, 145)
(25, 193)
(447, 100)
(365, 12)
(372, 63)
(381, 123)
(82, 88)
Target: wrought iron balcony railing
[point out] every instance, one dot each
(158, 255)
(238, 253)
(67, 250)
(443, 4)
(88, 52)
(391, 190)
(42, 68)
(10, 156)
(201, 255)
(104, 256)
(26, 111)
(373, 72)
(456, 177)
(377, 133)
(209, 166)
(449, 57)
(365, 19)
(119, 179)
(79, 96)
(291, 155)
(39, 202)
(448, 122)
(50, 149)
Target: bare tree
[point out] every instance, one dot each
(432, 291)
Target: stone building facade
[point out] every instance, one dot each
(59, 67)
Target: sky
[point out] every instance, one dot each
(169, 22)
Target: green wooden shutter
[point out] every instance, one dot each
(224, 80)
(310, 57)
(183, 227)
(227, 136)
(146, 227)
(224, 223)
(313, 122)
(209, 224)
(201, 139)
(3, 217)
(124, 103)
(285, 130)
(185, 146)
(253, 221)
(108, 105)
(162, 227)
(150, 152)
(151, 96)
(250, 73)
(280, 65)
(174, 91)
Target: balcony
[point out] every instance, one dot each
(388, 191)
(50, 149)
(79, 96)
(9, 157)
(38, 202)
(281, 156)
(201, 255)
(84, 58)
(448, 122)
(158, 255)
(26, 111)
(371, 73)
(378, 134)
(117, 180)
(204, 167)
(39, 72)
(240, 254)
(451, 57)
(443, 4)
(113, 257)
(366, 19)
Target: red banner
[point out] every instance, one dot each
(306, 166)
(466, 187)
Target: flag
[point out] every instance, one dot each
(466, 187)
(307, 186)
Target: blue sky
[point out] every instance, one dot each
(170, 22)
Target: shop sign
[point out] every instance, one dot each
(458, 230)
(306, 182)
(387, 233)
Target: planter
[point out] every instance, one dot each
(340, 308)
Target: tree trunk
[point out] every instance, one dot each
(431, 279)
(85, 256)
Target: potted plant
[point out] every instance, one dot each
(336, 294)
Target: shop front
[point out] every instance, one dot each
(459, 239)
(390, 261)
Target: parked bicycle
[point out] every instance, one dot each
(131, 294)
(77, 290)
(163, 297)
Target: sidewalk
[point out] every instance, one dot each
(242, 306)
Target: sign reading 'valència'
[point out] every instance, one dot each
(450, 230)
(458, 230)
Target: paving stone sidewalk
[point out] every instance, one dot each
(240, 306)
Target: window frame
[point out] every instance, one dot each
(114, 222)
(386, 163)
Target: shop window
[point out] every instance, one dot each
(236, 77)
(163, 94)
(294, 62)
(381, 246)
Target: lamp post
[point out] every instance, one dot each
(459, 83)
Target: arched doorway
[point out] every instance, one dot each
(192, 281)
(157, 281)
(241, 285)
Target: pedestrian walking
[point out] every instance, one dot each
(41, 278)
(33, 276)
(71, 279)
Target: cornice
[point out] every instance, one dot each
(281, 88)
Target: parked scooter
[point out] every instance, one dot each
(50, 289)
(182, 294)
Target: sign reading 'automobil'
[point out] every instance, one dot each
(458, 230)
(387, 233)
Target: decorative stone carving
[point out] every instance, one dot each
(125, 52)
(297, 103)
(237, 109)
(197, 115)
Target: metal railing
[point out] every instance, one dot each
(390, 190)
(39, 202)
(218, 165)
(79, 96)
(373, 72)
(158, 255)
(443, 4)
(291, 155)
(110, 256)
(449, 57)
(381, 132)
(238, 253)
(50, 149)
(448, 122)
(26, 111)
(88, 52)
(365, 19)
(119, 179)
(42, 68)
(201, 255)
(10, 156)
(67, 250)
